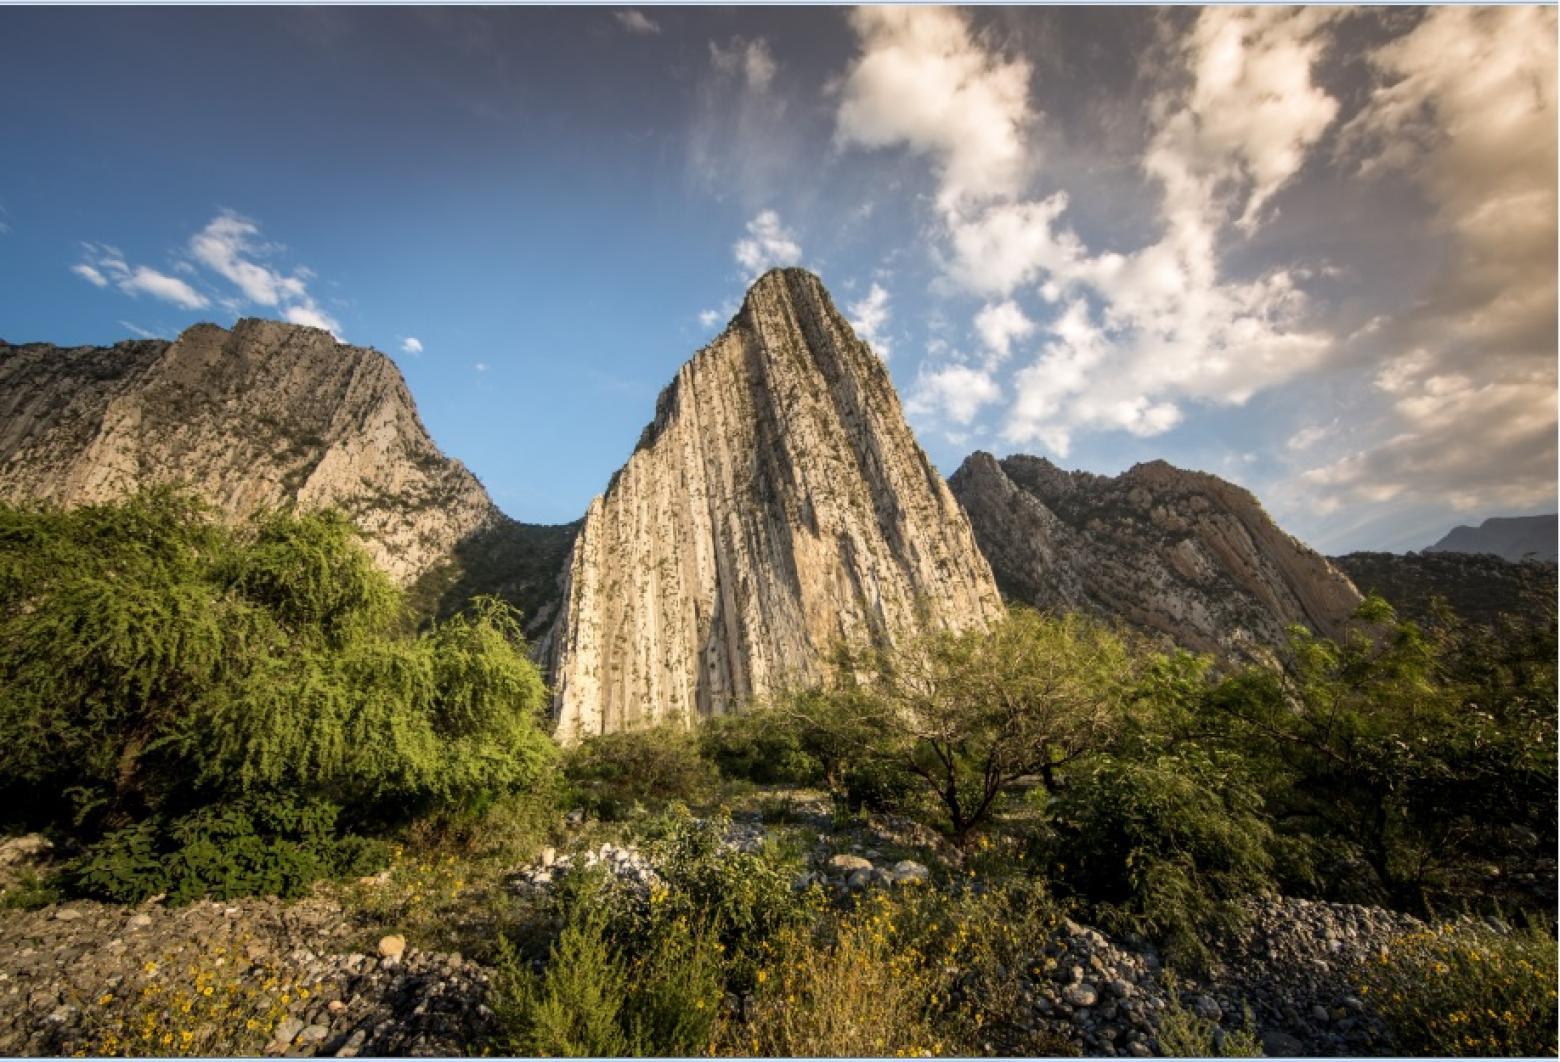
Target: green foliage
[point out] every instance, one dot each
(1159, 846)
(1465, 991)
(966, 714)
(613, 773)
(1182, 1034)
(273, 846)
(156, 663)
(759, 746)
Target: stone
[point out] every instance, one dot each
(549, 856)
(1320, 1013)
(908, 872)
(1207, 1008)
(287, 1030)
(1122, 989)
(847, 864)
(392, 946)
(313, 1034)
(1082, 994)
(777, 482)
(67, 914)
(859, 879)
(1279, 1044)
(1209, 568)
(139, 921)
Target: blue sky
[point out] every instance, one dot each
(1311, 250)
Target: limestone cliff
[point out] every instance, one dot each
(263, 414)
(1182, 554)
(777, 502)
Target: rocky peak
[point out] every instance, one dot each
(1181, 554)
(261, 414)
(777, 503)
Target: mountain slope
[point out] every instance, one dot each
(1512, 538)
(777, 502)
(1181, 554)
(260, 415)
(1479, 587)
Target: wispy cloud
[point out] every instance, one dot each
(636, 22)
(869, 317)
(138, 330)
(104, 265)
(768, 244)
(231, 246)
(411, 345)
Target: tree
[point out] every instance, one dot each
(967, 714)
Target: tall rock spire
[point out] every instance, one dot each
(777, 503)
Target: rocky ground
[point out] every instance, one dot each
(327, 982)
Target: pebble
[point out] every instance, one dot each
(392, 946)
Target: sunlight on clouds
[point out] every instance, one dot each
(411, 345)
(229, 246)
(869, 317)
(998, 325)
(767, 245)
(105, 265)
(636, 22)
(956, 392)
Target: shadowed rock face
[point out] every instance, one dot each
(777, 503)
(261, 415)
(1181, 554)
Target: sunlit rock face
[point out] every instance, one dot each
(263, 414)
(777, 503)
(1184, 555)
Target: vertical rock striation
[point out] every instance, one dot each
(260, 415)
(1182, 554)
(777, 503)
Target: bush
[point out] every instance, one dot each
(613, 773)
(166, 677)
(1459, 991)
(1160, 846)
(270, 847)
(759, 746)
(864, 993)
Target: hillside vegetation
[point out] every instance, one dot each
(891, 860)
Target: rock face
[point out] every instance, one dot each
(1513, 538)
(1181, 554)
(265, 414)
(777, 502)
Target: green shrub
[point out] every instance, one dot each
(166, 676)
(1461, 990)
(274, 846)
(1160, 846)
(1182, 1034)
(613, 773)
(759, 746)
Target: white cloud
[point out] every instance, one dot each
(106, 265)
(480, 366)
(768, 244)
(923, 81)
(752, 60)
(998, 325)
(869, 317)
(411, 345)
(1310, 435)
(138, 330)
(709, 318)
(91, 275)
(230, 246)
(1465, 106)
(637, 22)
(956, 392)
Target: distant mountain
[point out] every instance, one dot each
(1479, 587)
(1511, 537)
(268, 414)
(777, 502)
(1181, 554)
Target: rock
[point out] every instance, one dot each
(1122, 989)
(313, 1034)
(776, 444)
(1207, 1008)
(67, 914)
(1082, 994)
(1320, 1013)
(549, 856)
(847, 864)
(1278, 1044)
(139, 921)
(1138, 1049)
(26, 849)
(261, 415)
(287, 1030)
(392, 946)
(1210, 569)
(909, 872)
(859, 879)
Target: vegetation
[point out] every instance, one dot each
(1460, 990)
(196, 710)
(216, 711)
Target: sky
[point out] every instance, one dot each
(1312, 250)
